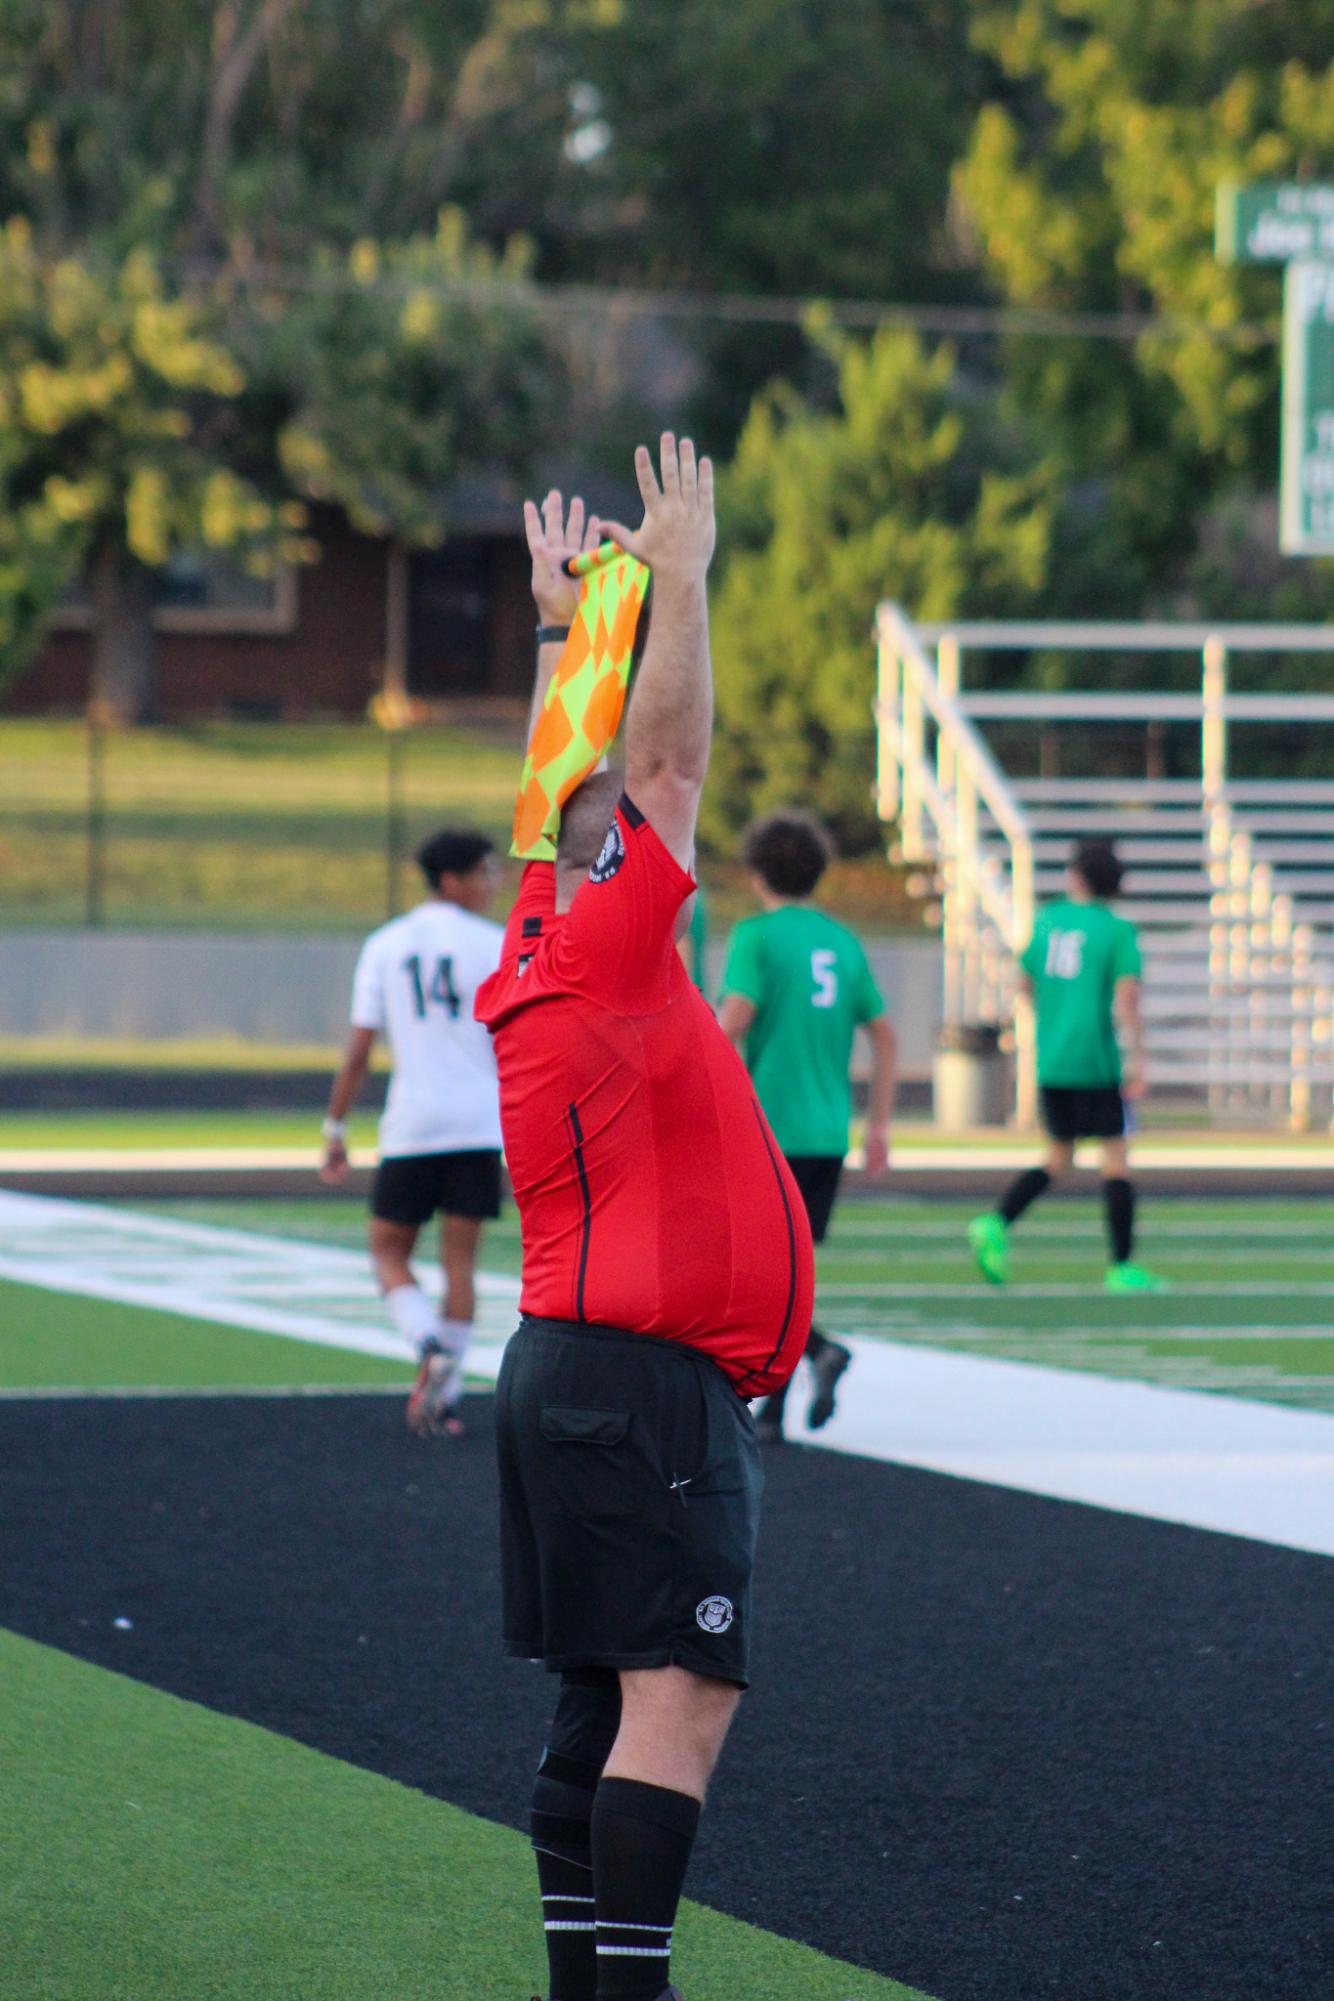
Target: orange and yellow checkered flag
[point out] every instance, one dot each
(585, 695)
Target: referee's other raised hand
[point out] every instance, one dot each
(677, 534)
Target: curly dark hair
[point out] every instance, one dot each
(1099, 867)
(789, 850)
(452, 851)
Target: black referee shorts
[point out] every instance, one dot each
(817, 1175)
(1071, 1113)
(410, 1188)
(630, 1483)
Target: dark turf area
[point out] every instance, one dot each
(1003, 1748)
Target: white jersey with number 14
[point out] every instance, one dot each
(415, 984)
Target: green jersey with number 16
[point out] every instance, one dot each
(1075, 957)
(811, 986)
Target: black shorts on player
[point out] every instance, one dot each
(630, 1483)
(410, 1188)
(817, 1175)
(1096, 1112)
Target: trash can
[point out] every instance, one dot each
(970, 1083)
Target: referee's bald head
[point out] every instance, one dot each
(585, 818)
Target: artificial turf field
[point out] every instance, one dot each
(999, 1747)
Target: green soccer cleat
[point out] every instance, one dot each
(1133, 1278)
(990, 1238)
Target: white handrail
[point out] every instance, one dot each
(1230, 867)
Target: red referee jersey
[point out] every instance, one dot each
(651, 1192)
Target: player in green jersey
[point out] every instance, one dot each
(796, 988)
(1082, 970)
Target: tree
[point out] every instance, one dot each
(1090, 181)
(199, 324)
(903, 490)
(399, 369)
(115, 403)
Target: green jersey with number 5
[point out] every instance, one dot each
(811, 986)
(1075, 957)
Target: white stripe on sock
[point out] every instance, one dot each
(555, 1897)
(634, 1951)
(566, 1925)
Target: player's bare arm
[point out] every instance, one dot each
(344, 1094)
(671, 712)
(554, 535)
(884, 1089)
(1130, 1021)
(735, 1017)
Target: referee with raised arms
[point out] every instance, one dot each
(667, 1278)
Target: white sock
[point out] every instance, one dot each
(455, 1336)
(415, 1317)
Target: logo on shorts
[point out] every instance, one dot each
(715, 1614)
(613, 854)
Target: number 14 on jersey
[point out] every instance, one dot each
(441, 989)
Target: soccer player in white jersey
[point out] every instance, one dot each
(440, 1133)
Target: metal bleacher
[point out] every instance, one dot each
(1231, 880)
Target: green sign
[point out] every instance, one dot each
(1275, 222)
(1306, 517)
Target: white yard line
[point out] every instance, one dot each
(1213, 1462)
(1240, 1288)
(948, 1159)
(240, 1278)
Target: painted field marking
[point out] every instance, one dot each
(272, 1285)
(1214, 1462)
(1209, 1462)
(1314, 1288)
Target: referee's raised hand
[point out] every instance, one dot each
(678, 531)
(553, 537)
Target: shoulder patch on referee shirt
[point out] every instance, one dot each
(613, 854)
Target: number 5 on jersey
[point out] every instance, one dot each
(441, 989)
(824, 972)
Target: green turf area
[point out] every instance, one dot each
(1249, 1311)
(108, 1131)
(151, 1850)
(236, 824)
(212, 1052)
(100, 1130)
(59, 1340)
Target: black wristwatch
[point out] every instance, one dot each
(552, 634)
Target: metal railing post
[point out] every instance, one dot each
(1025, 1026)
(889, 682)
(1213, 721)
(911, 823)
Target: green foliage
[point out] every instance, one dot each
(114, 399)
(1091, 186)
(401, 368)
(905, 491)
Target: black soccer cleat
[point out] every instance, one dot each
(827, 1368)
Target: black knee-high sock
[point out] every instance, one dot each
(582, 1733)
(1024, 1189)
(562, 1812)
(1119, 1202)
(642, 1838)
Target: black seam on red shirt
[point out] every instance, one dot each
(631, 811)
(532, 926)
(791, 1239)
(586, 1228)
